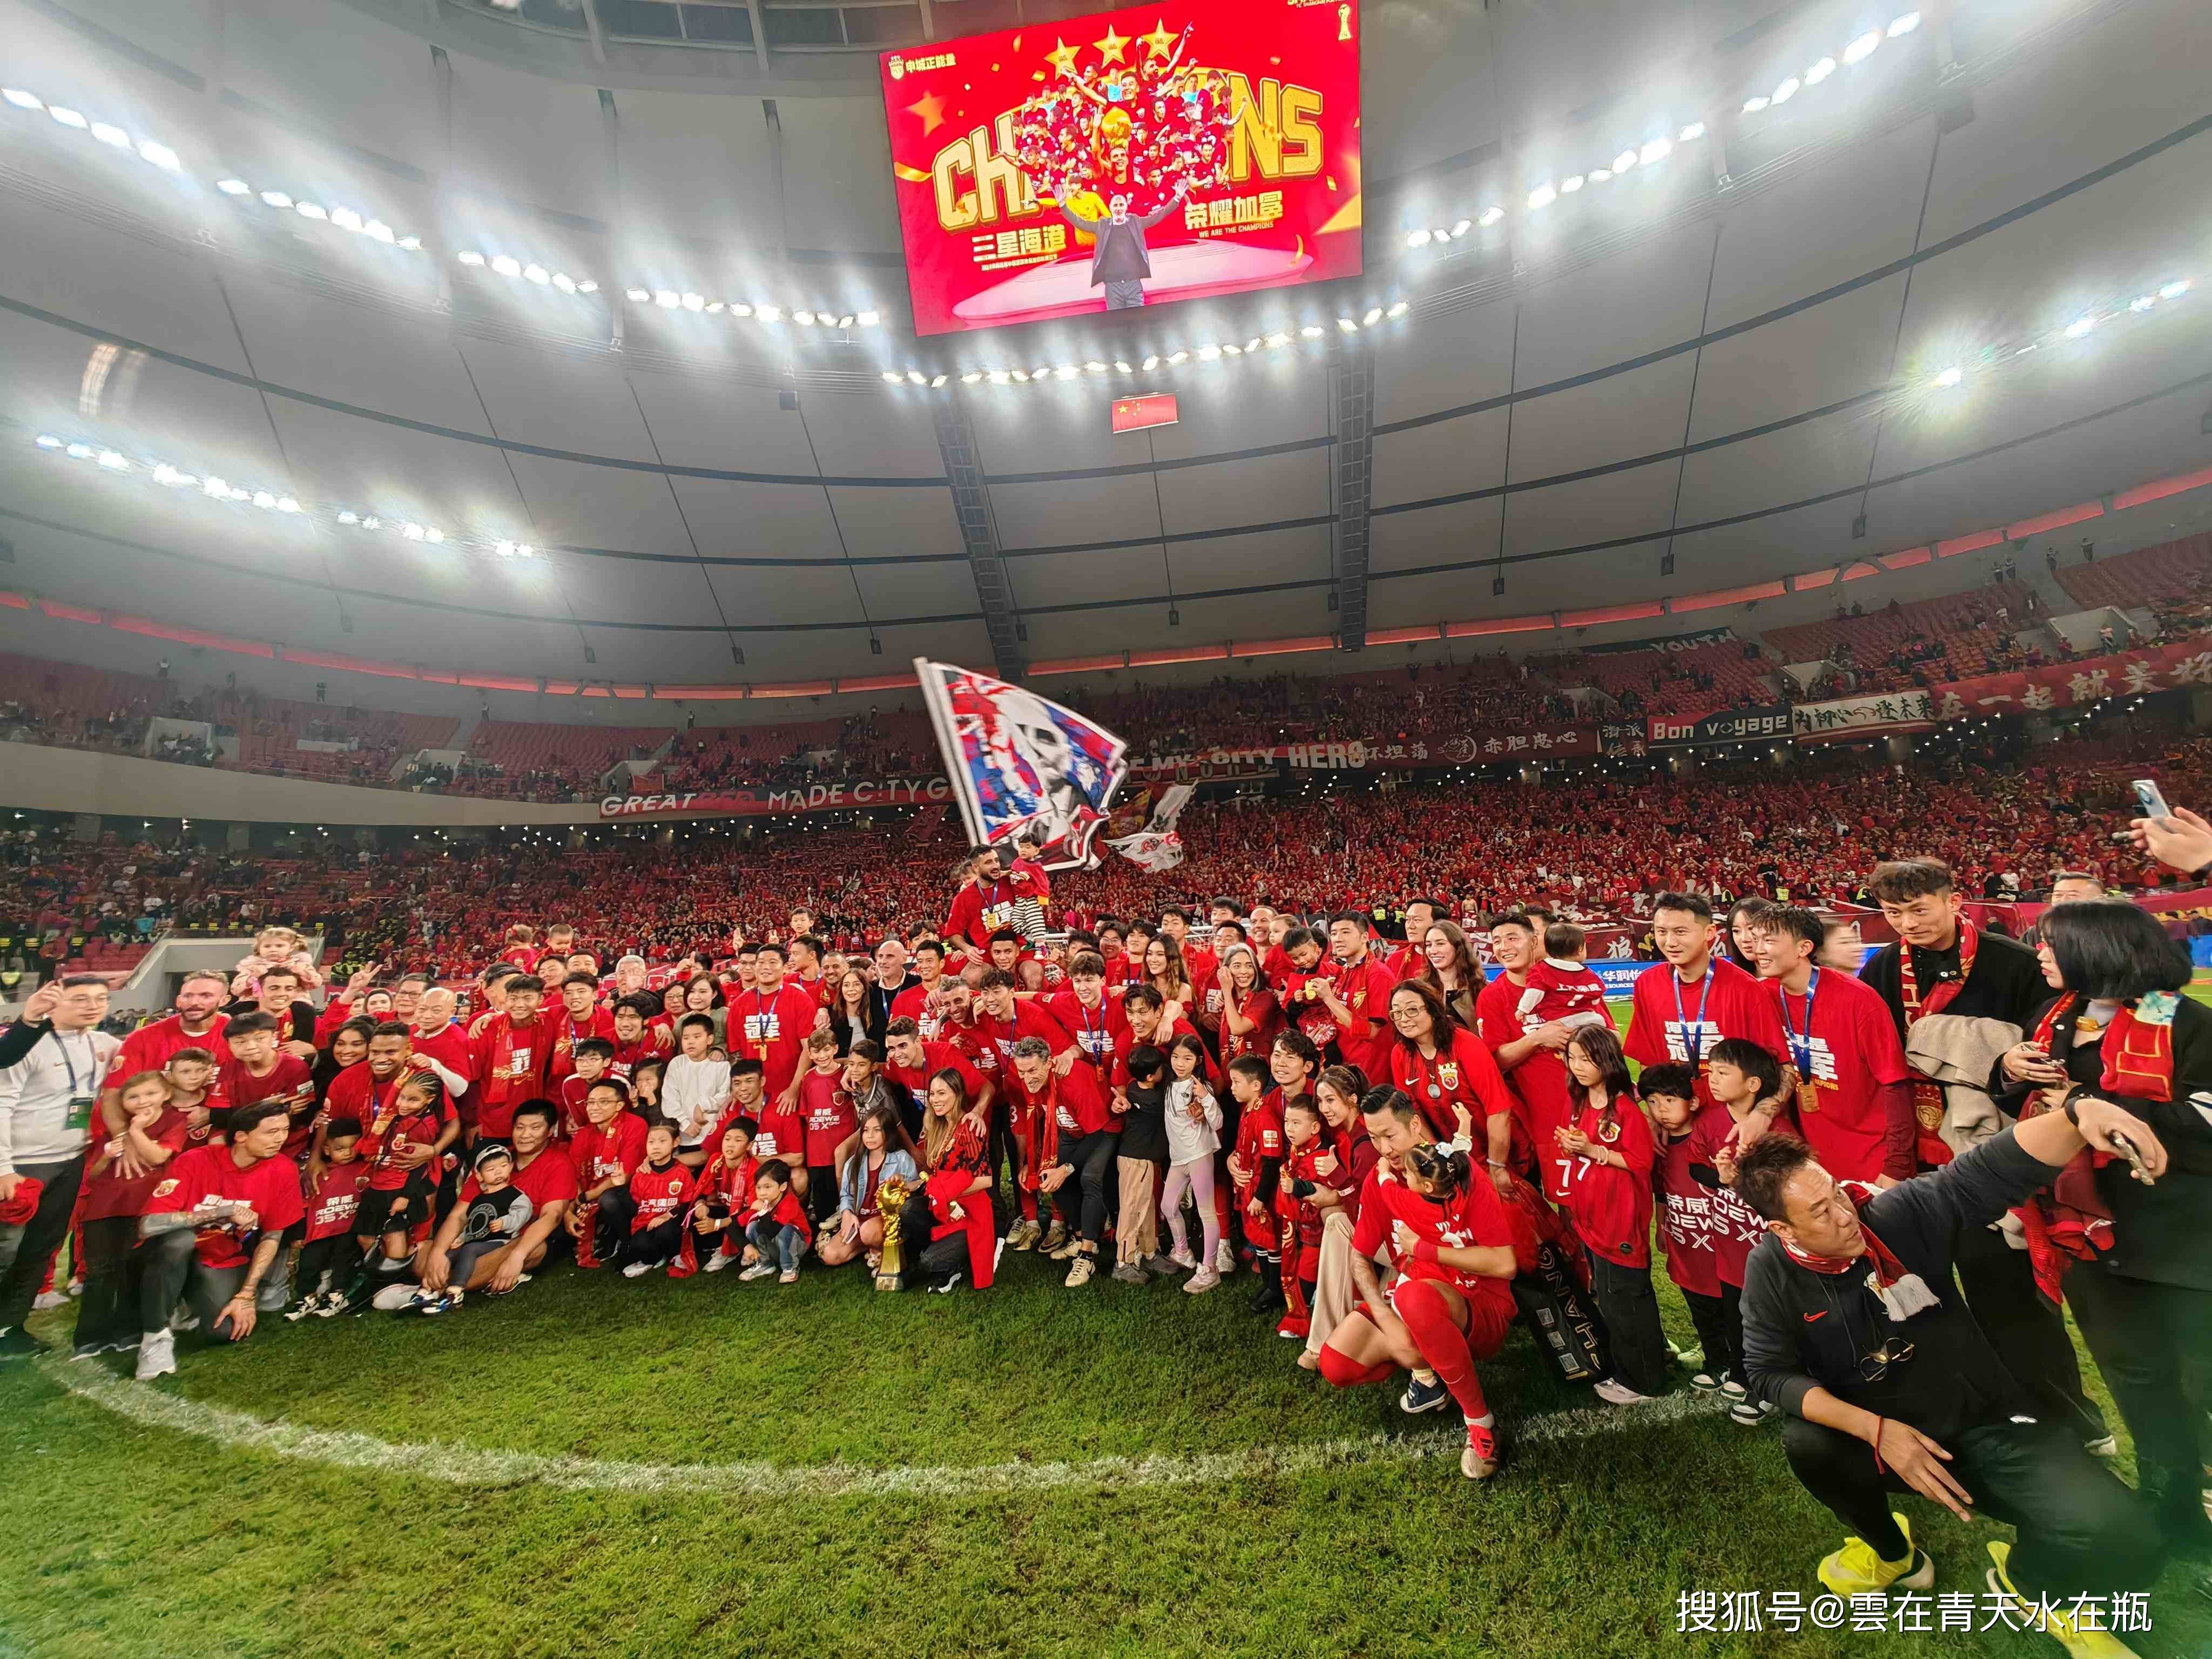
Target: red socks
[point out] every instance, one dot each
(1343, 1371)
(1442, 1343)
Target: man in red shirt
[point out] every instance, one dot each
(257, 1071)
(196, 1024)
(770, 1023)
(512, 1058)
(578, 1017)
(916, 1002)
(440, 1040)
(1083, 1009)
(984, 904)
(1073, 1136)
(910, 1060)
(1854, 1088)
(1002, 1020)
(1529, 1053)
(1410, 959)
(363, 1092)
(208, 1203)
(1358, 996)
(1693, 999)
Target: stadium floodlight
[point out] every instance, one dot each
(1657, 150)
(47, 441)
(1571, 183)
(1312, 332)
(971, 377)
(1904, 24)
(20, 99)
(67, 116)
(998, 377)
(1787, 90)
(1208, 353)
(803, 317)
(1691, 133)
(469, 257)
(1950, 377)
(1420, 238)
(1622, 162)
(915, 377)
(1374, 316)
(2174, 290)
(112, 461)
(276, 198)
(936, 380)
(1094, 367)
(1862, 48)
(768, 313)
(1757, 102)
(106, 133)
(2079, 327)
(741, 308)
(1543, 196)
(159, 154)
(1399, 308)
(1819, 71)
(507, 264)
(311, 209)
(1121, 366)
(1178, 357)
(1489, 216)
(234, 186)
(892, 376)
(868, 318)
(263, 500)
(1232, 349)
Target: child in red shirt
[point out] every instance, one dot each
(606, 1154)
(776, 1225)
(1608, 1197)
(1561, 987)
(1254, 1168)
(333, 1200)
(659, 1193)
(724, 1191)
(121, 1177)
(1303, 1147)
(1032, 887)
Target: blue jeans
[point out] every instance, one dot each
(783, 1239)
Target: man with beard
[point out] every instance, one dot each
(197, 1023)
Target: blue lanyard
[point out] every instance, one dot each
(1693, 1037)
(1800, 1049)
(1089, 1031)
(92, 1065)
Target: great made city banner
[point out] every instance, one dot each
(1196, 150)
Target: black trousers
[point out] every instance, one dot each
(2144, 1336)
(109, 1311)
(2028, 1331)
(616, 1208)
(171, 1269)
(1719, 1320)
(653, 1244)
(924, 1259)
(1640, 1354)
(1082, 1199)
(2082, 1532)
(42, 1236)
(336, 1256)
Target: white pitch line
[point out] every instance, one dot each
(460, 1464)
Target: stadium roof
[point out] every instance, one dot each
(1868, 299)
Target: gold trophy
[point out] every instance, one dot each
(891, 1204)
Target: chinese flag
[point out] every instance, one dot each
(1135, 414)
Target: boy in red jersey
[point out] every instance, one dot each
(590, 1061)
(1305, 1150)
(331, 1252)
(579, 1018)
(606, 1155)
(1032, 887)
(1256, 1166)
(714, 1226)
(257, 1071)
(403, 1139)
(512, 1057)
(1561, 987)
(777, 1232)
(121, 1175)
(825, 1107)
(659, 1192)
(521, 948)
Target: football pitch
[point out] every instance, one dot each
(605, 1466)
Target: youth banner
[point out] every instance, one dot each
(1017, 759)
(1228, 130)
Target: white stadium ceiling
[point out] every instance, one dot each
(1746, 342)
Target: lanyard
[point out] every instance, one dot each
(1089, 1031)
(1800, 1049)
(1693, 1037)
(91, 1064)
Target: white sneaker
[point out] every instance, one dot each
(1183, 1258)
(1620, 1393)
(759, 1270)
(788, 1276)
(157, 1355)
(48, 1299)
(1224, 1259)
(637, 1270)
(392, 1298)
(1200, 1282)
(719, 1260)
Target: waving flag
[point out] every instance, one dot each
(1156, 846)
(1016, 758)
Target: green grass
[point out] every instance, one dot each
(125, 1541)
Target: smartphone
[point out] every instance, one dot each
(2152, 803)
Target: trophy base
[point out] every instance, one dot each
(891, 1281)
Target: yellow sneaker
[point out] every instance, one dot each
(2082, 1641)
(1856, 1570)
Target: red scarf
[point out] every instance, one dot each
(1927, 1095)
(1902, 1291)
(2067, 1221)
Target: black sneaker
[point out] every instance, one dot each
(16, 1343)
(1421, 1396)
(944, 1286)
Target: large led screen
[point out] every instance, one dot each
(1140, 156)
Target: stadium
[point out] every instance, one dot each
(676, 975)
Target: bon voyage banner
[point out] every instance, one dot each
(1227, 133)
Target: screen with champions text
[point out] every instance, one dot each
(1126, 159)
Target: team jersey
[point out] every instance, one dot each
(788, 1212)
(1257, 1005)
(568, 1031)
(358, 1093)
(269, 1186)
(1029, 1020)
(1474, 1218)
(1538, 1082)
(1095, 1030)
(289, 1080)
(978, 910)
(1070, 1106)
(510, 1063)
(148, 1048)
(1299, 1164)
(938, 1057)
(662, 1194)
(912, 1003)
(1258, 1142)
(772, 1027)
(1709, 1231)
(1669, 1021)
(1611, 1208)
(1462, 1073)
(110, 1192)
(334, 1199)
(1847, 1054)
(827, 1111)
(1365, 987)
(390, 1133)
(613, 1153)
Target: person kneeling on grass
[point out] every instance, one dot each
(660, 1192)
(195, 1227)
(1851, 1326)
(1446, 1232)
(885, 1154)
(948, 1219)
(776, 1227)
(712, 1226)
(491, 1219)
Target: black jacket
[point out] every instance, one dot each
(1802, 1328)
(2158, 1231)
(2007, 982)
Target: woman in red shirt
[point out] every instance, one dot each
(1250, 1016)
(1608, 1198)
(1444, 1067)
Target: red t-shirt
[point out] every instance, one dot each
(788, 1212)
(1666, 1018)
(271, 1186)
(828, 1112)
(1128, 1043)
(615, 1151)
(772, 1029)
(110, 1193)
(334, 1199)
(1259, 1140)
(568, 1031)
(1029, 1020)
(290, 1080)
(356, 1093)
(1077, 1104)
(1463, 1073)
(1474, 1218)
(148, 1048)
(1849, 1053)
(1366, 988)
(1028, 879)
(1095, 1030)
(547, 1179)
(510, 1063)
(978, 910)
(1734, 1226)
(660, 1194)
(1265, 1014)
(383, 1136)
(913, 1004)
(938, 1057)
(1538, 1082)
(1611, 1208)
